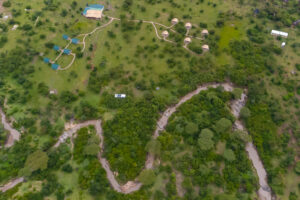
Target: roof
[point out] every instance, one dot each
(67, 51)
(56, 48)
(93, 7)
(204, 31)
(46, 60)
(96, 6)
(94, 13)
(296, 22)
(165, 33)
(205, 46)
(75, 40)
(175, 20)
(65, 37)
(120, 95)
(55, 66)
(188, 24)
(275, 32)
(187, 39)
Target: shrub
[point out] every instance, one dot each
(6, 4)
(67, 168)
(245, 113)
(297, 168)
(147, 177)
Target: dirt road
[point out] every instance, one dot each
(14, 135)
(131, 186)
(11, 184)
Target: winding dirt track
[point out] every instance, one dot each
(110, 21)
(11, 184)
(131, 186)
(14, 135)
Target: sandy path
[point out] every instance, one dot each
(111, 20)
(11, 184)
(131, 186)
(1, 7)
(14, 135)
(264, 191)
(71, 63)
(96, 29)
(179, 180)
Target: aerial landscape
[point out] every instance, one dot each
(150, 100)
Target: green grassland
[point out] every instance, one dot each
(127, 57)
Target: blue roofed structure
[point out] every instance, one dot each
(46, 60)
(65, 37)
(67, 51)
(56, 48)
(75, 41)
(55, 66)
(93, 11)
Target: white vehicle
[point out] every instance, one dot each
(120, 96)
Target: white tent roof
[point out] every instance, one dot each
(275, 32)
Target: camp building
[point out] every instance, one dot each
(93, 11)
(279, 33)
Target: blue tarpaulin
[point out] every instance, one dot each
(75, 41)
(55, 66)
(46, 60)
(56, 48)
(67, 51)
(65, 37)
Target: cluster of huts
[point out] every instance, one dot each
(187, 40)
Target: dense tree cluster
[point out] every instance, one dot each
(202, 164)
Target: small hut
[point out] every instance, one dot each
(205, 47)
(56, 48)
(75, 41)
(204, 32)
(46, 60)
(67, 51)
(175, 21)
(187, 40)
(165, 34)
(65, 37)
(53, 92)
(295, 23)
(15, 27)
(188, 25)
(93, 11)
(55, 66)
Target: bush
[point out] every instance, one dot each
(229, 155)
(245, 113)
(6, 4)
(297, 66)
(147, 177)
(205, 141)
(223, 125)
(195, 48)
(191, 128)
(297, 168)
(3, 41)
(67, 168)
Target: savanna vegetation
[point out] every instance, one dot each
(199, 146)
